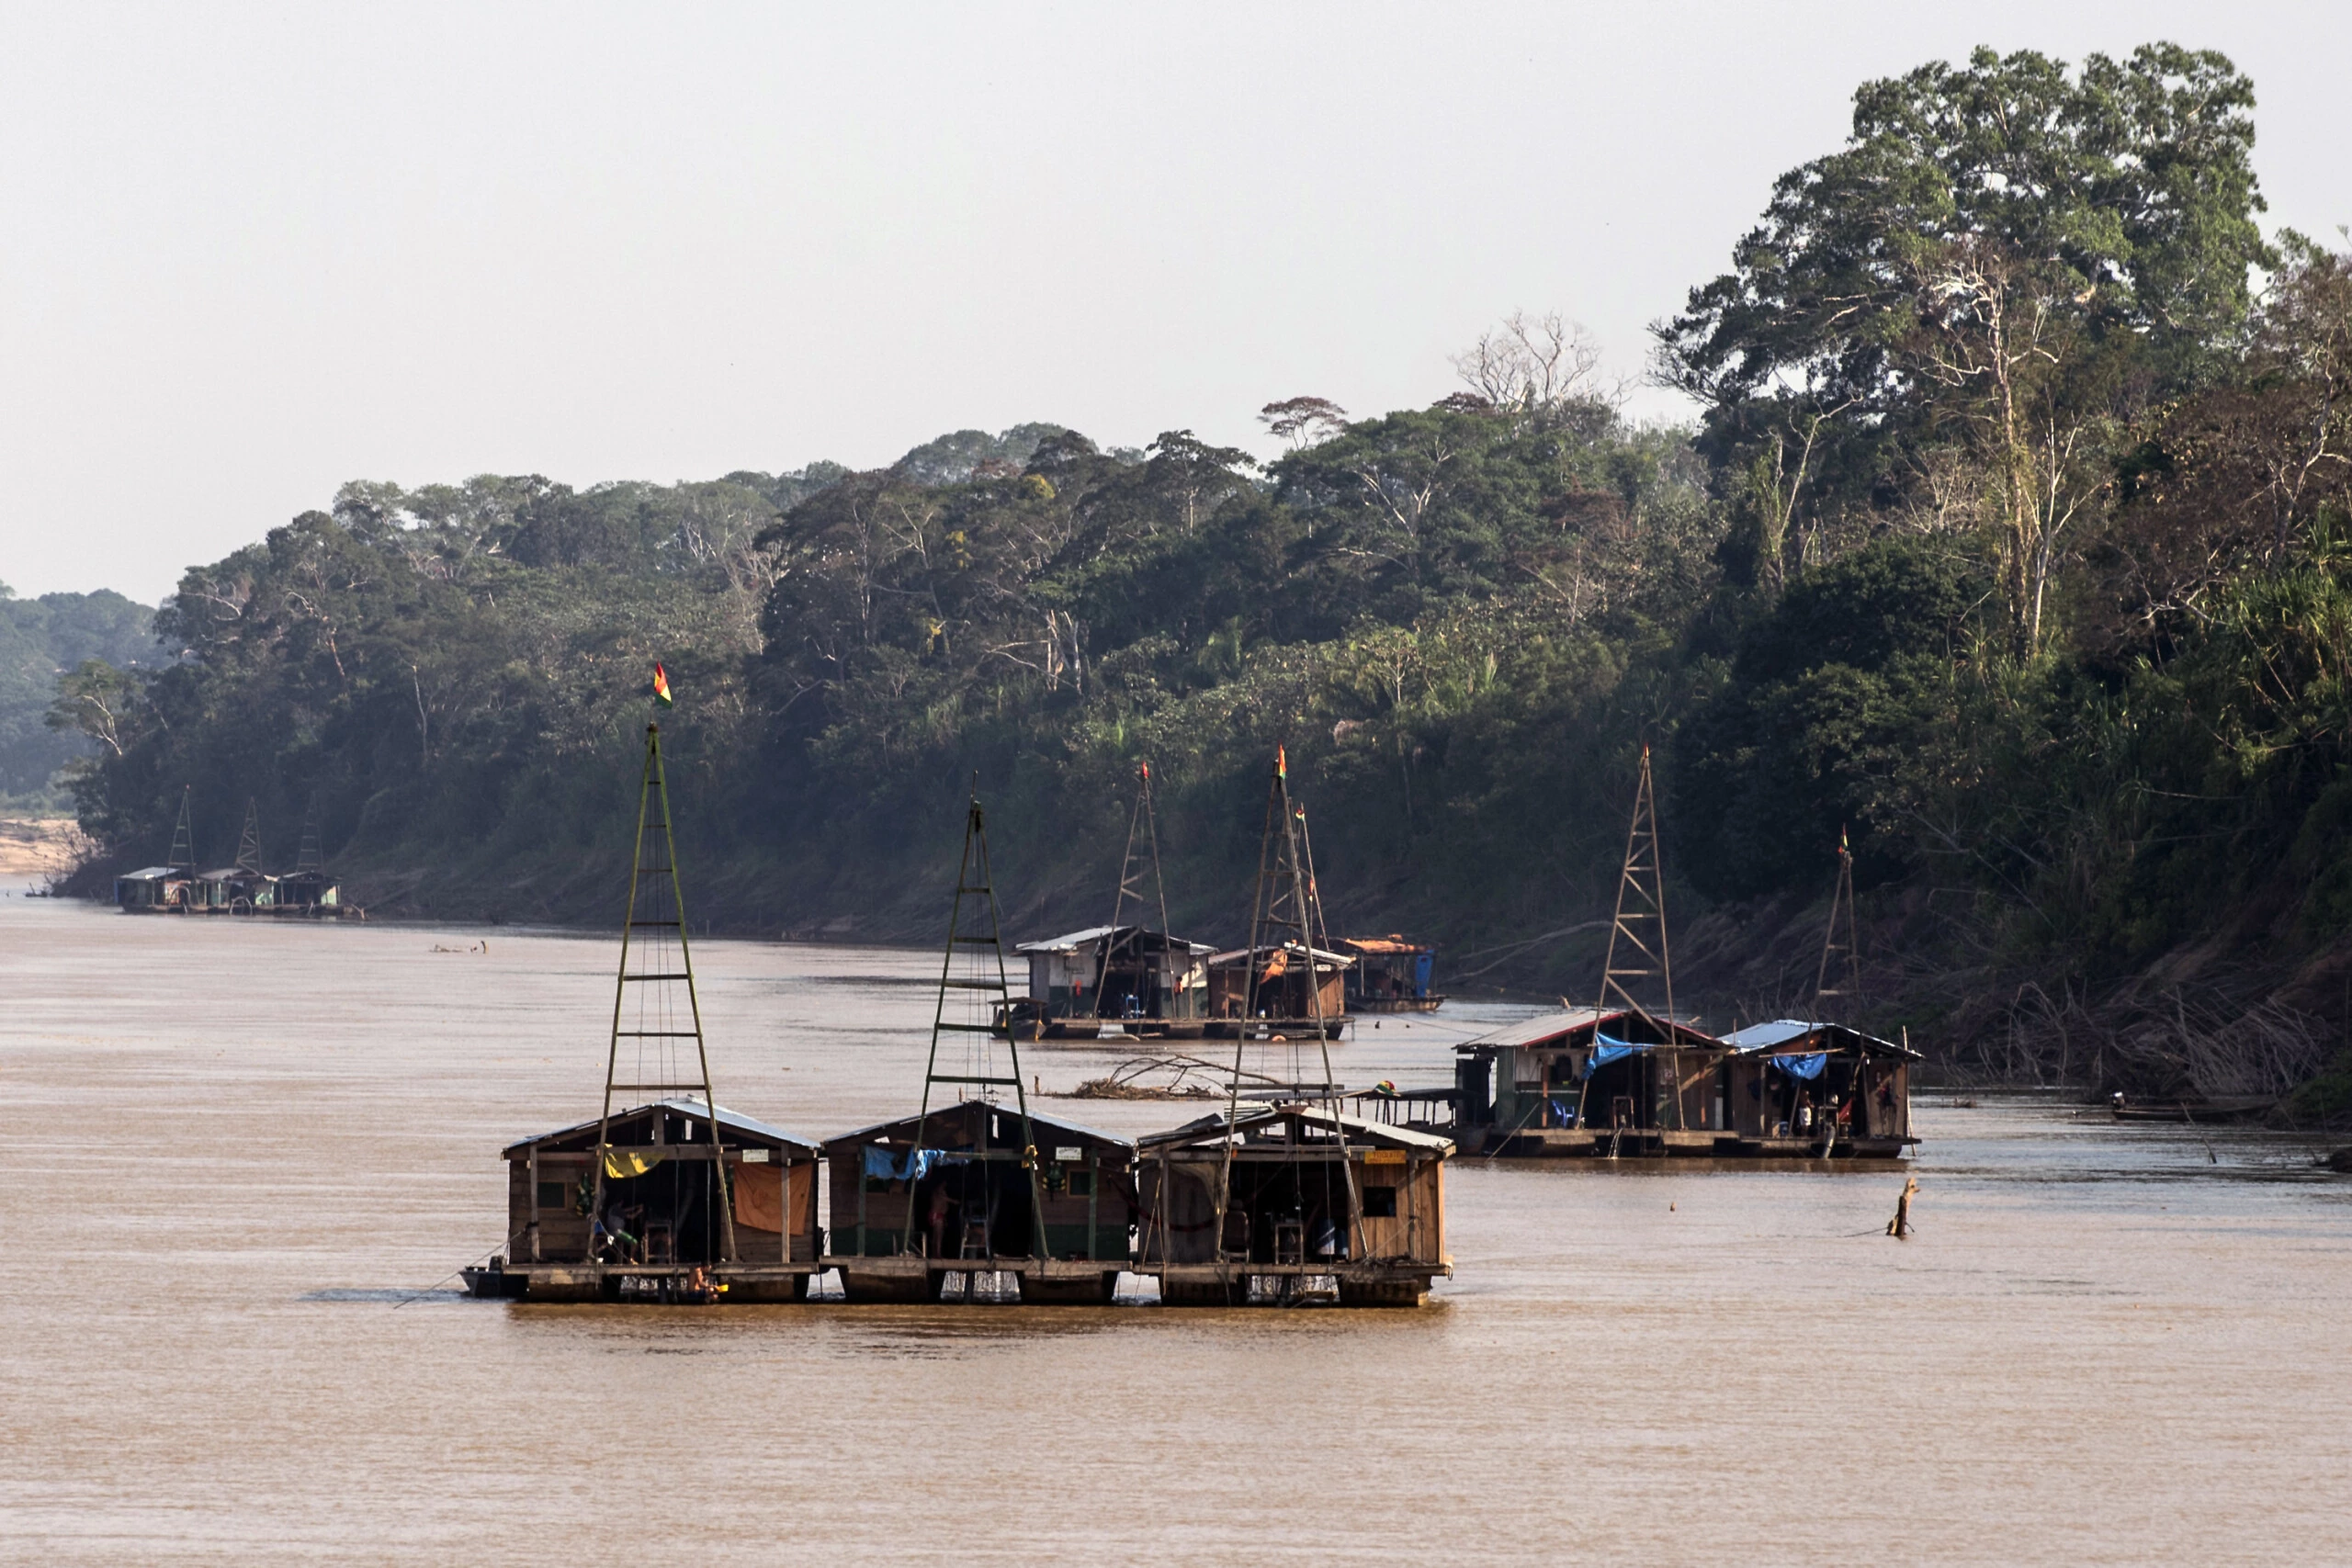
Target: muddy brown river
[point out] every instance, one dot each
(239, 1162)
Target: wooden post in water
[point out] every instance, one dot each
(1899, 1227)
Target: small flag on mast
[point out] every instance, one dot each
(1282, 762)
(662, 685)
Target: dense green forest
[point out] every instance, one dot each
(40, 639)
(2013, 537)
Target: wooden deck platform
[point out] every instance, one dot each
(747, 1284)
(1580, 1143)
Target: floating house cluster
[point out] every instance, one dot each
(1278, 1202)
(1282, 1197)
(180, 886)
(1293, 1189)
(1585, 1082)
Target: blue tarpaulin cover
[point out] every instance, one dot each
(912, 1166)
(1805, 1066)
(1605, 1051)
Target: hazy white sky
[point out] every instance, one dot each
(249, 253)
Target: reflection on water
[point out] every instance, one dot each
(233, 1155)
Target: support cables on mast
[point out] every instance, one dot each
(985, 983)
(1641, 900)
(653, 937)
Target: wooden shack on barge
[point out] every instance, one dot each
(154, 890)
(925, 1201)
(670, 1195)
(1390, 975)
(1816, 1090)
(1146, 982)
(1586, 1081)
(665, 1165)
(1298, 992)
(1283, 1195)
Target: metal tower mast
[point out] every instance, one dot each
(1143, 820)
(249, 841)
(1850, 995)
(1285, 903)
(183, 839)
(983, 953)
(1641, 897)
(654, 938)
(311, 858)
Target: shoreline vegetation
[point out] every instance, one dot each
(2011, 542)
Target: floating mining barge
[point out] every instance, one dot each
(667, 1196)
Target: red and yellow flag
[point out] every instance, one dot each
(662, 685)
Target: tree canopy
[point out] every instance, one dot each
(2012, 546)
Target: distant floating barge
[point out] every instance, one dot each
(1391, 975)
(1619, 1080)
(1585, 1084)
(178, 887)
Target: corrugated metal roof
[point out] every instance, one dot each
(1543, 1026)
(152, 874)
(1077, 940)
(1070, 944)
(1035, 1117)
(1384, 944)
(1547, 1027)
(1757, 1036)
(1355, 1127)
(735, 1120)
(1761, 1037)
(1235, 956)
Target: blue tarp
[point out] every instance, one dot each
(1605, 1051)
(1806, 1066)
(912, 1166)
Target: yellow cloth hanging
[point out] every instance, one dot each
(621, 1164)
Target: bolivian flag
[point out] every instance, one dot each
(662, 685)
